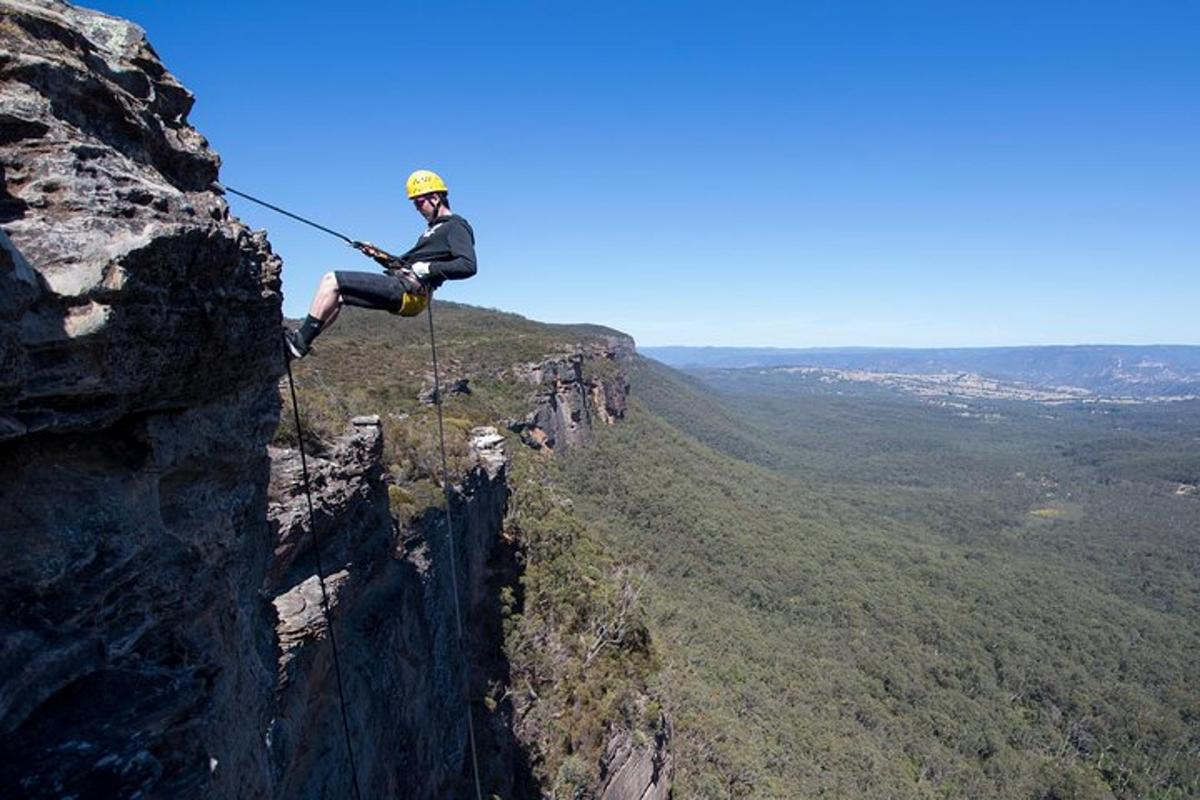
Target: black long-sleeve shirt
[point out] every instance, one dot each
(447, 245)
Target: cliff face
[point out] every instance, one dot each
(575, 393)
(638, 771)
(569, 402)
(163, 634)
(140, 351)
(403, 667)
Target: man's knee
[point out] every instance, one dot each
(329, 281)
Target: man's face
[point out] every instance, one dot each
(425, 204)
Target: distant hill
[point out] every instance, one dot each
(1121, 370)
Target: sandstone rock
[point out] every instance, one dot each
(451, 386)
(149, 295)
(488, 446)
(568, 405)
(139, 350)
(346, 483)
(403, 665)
(301, 615)
(18, 289)
(638, 771)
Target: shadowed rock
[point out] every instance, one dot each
(139, 345)
(403, 666)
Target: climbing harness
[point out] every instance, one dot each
(312, 523)
(412, 304)
(462, 645)
(446, 489)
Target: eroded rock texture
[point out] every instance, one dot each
(403, 665)
(162, 634)
(638, 770)
(140, 352)
(568, 405)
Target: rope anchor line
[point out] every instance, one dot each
(222, 189)
(437, 393)
(462, 644)
(312, 523)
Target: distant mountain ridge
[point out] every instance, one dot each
(1124, 370)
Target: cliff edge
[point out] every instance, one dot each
(139, 340)
(162, 634)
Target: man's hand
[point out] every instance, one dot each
(371, 250)
(412, 283)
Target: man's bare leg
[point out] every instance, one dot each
(327, 301)
(326, 305)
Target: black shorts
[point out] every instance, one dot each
(370, 290)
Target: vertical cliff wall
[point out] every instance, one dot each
(403, 666)
(570, 400)
(140, 353)
(162, 634)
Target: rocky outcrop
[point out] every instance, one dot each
(164, 632)
(404, 667)
(141, 280)
(575, 391)
(452, 386)
(18, 288)
(140, 350)
(634, 770)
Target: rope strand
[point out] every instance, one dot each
(222, 188)
(312, 522)
(437, 399)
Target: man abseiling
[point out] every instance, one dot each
(445, 251)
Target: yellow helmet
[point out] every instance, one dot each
(424, 181)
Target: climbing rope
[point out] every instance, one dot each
(437, 394)
(453, 567)
(437, 399)
(312, 523)
(222, 189)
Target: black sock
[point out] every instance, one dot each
(309, 330)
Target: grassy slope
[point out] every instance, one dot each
(570, 585)
(855, 600)
(375, 363)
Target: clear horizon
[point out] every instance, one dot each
(862, 174)
(932, 347)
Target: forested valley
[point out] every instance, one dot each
(861, 594)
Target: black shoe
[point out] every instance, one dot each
(296, 348)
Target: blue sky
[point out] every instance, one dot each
(801, 174)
